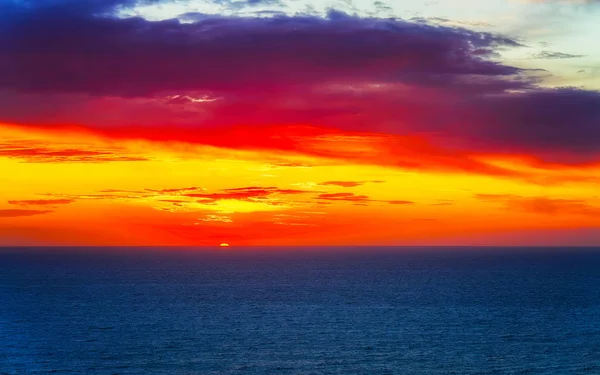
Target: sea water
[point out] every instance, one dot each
(314, 311)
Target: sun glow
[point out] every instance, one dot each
(165, 193)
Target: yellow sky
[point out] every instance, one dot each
(68, 188)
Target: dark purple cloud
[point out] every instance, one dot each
(72, 62)
(134, 57)
(555, 123)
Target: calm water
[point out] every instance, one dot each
(476, 312)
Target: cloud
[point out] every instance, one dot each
(495, 197)
(168, 195)
(196, 199)
(400, 202)
(175, 191)
(357, 199)
(349, 197)
(291, 165)
(108, 56)
(549, 206)
(448, 22)
(409, 151)
(21, 213)
(543, 205)
(37, 152)
(559, 125)
(555, 55)
(252, 194)
(217, 218)
(347, 184)
(41, 202)
(438, 86)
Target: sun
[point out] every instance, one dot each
(224, 244)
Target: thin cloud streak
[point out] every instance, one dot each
(9, 213)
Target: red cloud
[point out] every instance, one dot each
(408, 151)
(41, 202)
(37, 153)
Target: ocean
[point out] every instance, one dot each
(300, 311)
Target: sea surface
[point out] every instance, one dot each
(302, 311)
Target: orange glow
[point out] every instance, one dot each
(301, 186)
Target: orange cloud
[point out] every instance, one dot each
(175, 191)
(556, 206)
(252, 193)
(349, 197)
(41, 202)
(19, 213)
(347, 184)
(543, 205)
(357, 199)
(410, 152)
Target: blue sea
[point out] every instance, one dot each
(300, 311)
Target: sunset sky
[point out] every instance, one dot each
(299, 122)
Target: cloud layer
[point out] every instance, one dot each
(39, 152)
(340, 72)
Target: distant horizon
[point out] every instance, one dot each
(291, 249)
